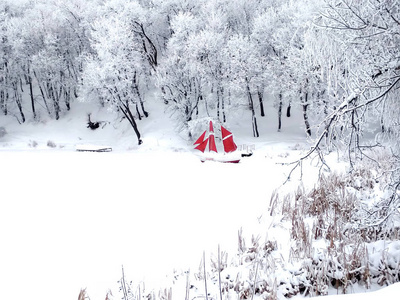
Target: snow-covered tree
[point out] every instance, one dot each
(197, 75)
(361, 68)
(271, 37)
(178, 77)
(44, 42)
(277, 32)
(371, 30)
(361, 71)
(243, 69)
(122, 58)
(11, 60)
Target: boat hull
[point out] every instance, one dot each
(223, 158)
(204, 159)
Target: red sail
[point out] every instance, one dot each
(211, 145)
(202, 146)
(200, 139)
(227, 140)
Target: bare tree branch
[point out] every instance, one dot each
(344, 108)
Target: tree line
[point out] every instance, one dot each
(207, 58)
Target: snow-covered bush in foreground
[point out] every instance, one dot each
(318, 240)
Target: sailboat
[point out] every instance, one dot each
(229, 155)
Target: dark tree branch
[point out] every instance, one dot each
(316, 148)
(348, 106)
(367, 103)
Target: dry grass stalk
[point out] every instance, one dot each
(83, 295)
(109, 295)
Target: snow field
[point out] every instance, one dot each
(70, 220)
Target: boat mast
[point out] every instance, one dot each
(211, 138)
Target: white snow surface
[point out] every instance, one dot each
(70, 220)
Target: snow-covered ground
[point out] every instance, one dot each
(70, 220)
(390, 292)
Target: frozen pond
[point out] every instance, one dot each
(70, 220)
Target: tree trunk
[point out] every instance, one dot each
(260, 98)
(288, 110)
(136, 89)
(128, 114)
(382, 119)
(42, 93)
(4, 98)
(197, 107)
(223, 105)
(18, 101)
(54, 96)
(4, 95)
(253, 114)
(280, 112)
(138, 112)
(31, 96)
(2, 101)
(67, 95)
(305, 115)
(220, 104)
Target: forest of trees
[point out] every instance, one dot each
(336, 60)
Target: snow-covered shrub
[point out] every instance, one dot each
(3, 132)
(385, 264)
(330, 246)
(51, 144)
(334, 214)
(33, 144)
(376, 183)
